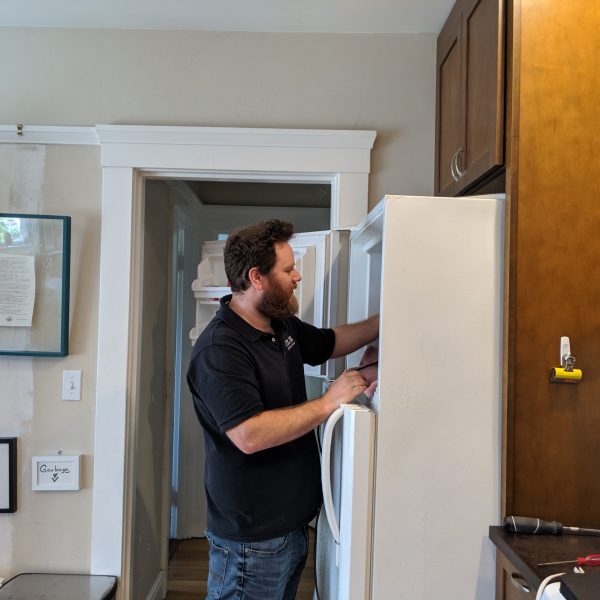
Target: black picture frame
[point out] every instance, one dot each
(34, 249)
(8, 475)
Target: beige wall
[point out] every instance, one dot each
(51, 530)
(86, 77)
(328, 81)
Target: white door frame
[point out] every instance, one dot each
(131, 154)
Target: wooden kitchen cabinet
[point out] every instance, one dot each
(521, 568)
(551, 438)
(510, 583)
(470, 96)
(552, 430)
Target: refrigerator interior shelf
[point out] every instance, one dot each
(210, 294)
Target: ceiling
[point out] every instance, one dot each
(258, 193)
(335, 16)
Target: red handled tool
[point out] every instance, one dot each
(589, 560)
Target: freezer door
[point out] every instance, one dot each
(344, 548)
(336, 305)
(366, 263)
(322, 261)
(310, 256)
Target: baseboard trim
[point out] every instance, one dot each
(159, 588)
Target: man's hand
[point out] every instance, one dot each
(345, 388)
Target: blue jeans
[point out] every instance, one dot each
(267, 570)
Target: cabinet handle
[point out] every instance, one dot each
(453, 167)
(520, 582)
(458, 171)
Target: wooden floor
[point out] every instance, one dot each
(188, 570)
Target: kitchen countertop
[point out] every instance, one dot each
(525, 551)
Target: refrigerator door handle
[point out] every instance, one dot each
(326, 473)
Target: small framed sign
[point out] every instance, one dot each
(55, 472)
(8, 475)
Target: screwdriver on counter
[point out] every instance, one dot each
(537, 526)
(589, 560)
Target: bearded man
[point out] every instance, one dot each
(246, 375)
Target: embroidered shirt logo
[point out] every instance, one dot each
(289, 342)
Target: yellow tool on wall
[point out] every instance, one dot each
(566, 373)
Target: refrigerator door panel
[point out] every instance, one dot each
(364, 282)
(344, 556)
(322, 261)
(310, 253)
(335, 291)
(310, 256)
(327, 486)
(438, 404)
(356, 503)
(336, 309)
(327, 552)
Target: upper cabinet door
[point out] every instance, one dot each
(449, 113)
(483, 52)
(470, 96)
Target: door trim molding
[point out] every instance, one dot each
(129, 156)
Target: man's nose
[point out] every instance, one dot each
(297, 276)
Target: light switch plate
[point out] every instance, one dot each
(71, 385)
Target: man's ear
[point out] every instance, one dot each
(256, 278)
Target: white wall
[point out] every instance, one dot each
(85, 77)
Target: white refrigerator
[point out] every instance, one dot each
(412, 481)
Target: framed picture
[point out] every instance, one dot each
(8, 475)
(54, 472)
(34, 284)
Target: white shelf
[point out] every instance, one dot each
(207, 303)
(210, 294)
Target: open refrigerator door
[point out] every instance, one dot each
(344, 533)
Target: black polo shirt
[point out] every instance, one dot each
(236, 372)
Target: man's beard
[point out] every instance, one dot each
(276, 303)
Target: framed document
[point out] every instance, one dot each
(34, 284)
(8, 475)
(55, 472)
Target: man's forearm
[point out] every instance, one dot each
(349, 338)
(279, 426)
(274, 427)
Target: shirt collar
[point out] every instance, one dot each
(238, 324)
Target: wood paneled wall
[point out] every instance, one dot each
(553, 147)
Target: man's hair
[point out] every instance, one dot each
(253, 246)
